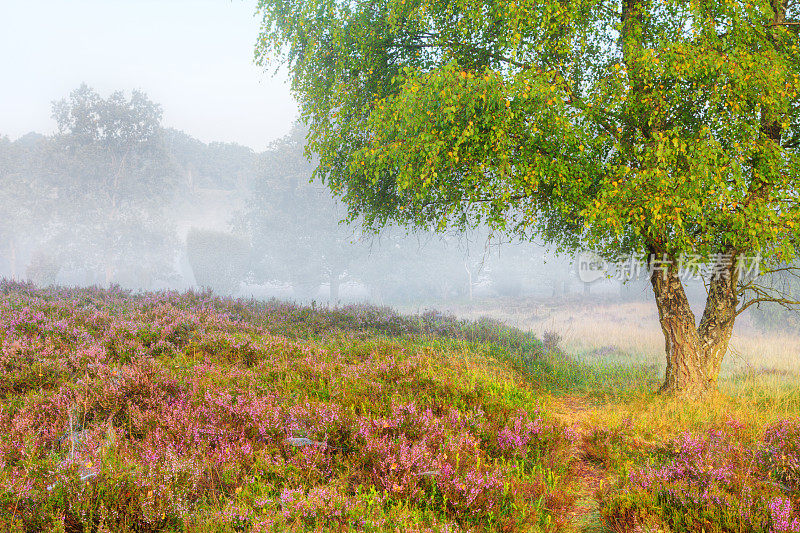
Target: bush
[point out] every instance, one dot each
(181, 412)
(218, 259)
(43, 269)
(714, 482)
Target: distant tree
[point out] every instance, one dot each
(421, 266)
(294, 225)
(26, 197)
(113, 181)
(9, 188)
(516, 269)
(42, 269)
(782, 283)
(225, 166)
(661, 129)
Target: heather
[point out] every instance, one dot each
(717, 481)
(184, 411)
(187, 412)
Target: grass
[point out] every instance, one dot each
(627, 429)
(600, 332)
(186, 412)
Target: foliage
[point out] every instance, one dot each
(518, 114)
(218, 259)
(119, 224)
(621, 126)
(113, 175)
(521, 114)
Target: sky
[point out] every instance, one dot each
(194, 57)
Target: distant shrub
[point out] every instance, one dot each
(43, 269)
(773, 317)
(551, 339)
(218, 259)
(509, 287)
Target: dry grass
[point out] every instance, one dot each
(609, 397)
(602, 332)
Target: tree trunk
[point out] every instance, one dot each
(333, 292)
(108, 272)
(694, 353)
(12, 249)
(469, 280)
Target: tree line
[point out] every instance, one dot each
(113, 197)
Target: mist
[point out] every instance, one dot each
(114, 198)
(284, 266)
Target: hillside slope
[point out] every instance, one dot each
(185, 412)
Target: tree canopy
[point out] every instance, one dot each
(112, 174)
(658, 128)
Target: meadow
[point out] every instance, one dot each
(189, 412)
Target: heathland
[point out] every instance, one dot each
(187, 412)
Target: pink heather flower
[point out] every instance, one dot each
(782, 513)
(519, 433)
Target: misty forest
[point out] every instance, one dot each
(526, 265)
(114, 198)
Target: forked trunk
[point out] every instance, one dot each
(109, 274)
(694, 353)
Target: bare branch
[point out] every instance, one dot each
(783, 302)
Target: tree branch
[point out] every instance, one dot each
(785, 302)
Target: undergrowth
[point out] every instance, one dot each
(186, 412)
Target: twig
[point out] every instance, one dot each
(71, 436)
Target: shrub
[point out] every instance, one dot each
(218, 259)
(43, 269)
(715, 483)
(172, 412)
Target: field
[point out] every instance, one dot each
(600, 331)
(187, 412)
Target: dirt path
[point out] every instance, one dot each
(588, 474)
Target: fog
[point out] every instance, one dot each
(147, 177)
(126, 158)
(113, 197)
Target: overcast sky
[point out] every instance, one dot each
(194, 57)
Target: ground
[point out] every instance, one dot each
(187, 412)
